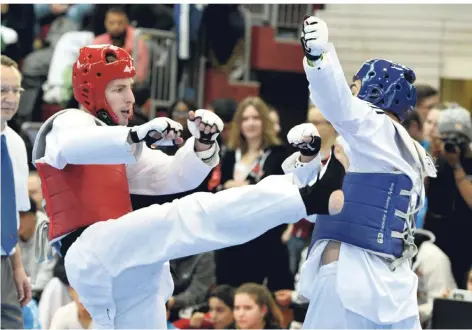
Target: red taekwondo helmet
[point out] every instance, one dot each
(96, 66)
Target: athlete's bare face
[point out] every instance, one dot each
(120, 98)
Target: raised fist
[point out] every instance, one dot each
(204, 125)
(305, 138)
(314, 37)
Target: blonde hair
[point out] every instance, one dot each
(269, 136)
(263, 297)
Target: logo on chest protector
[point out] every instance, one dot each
(380, 235)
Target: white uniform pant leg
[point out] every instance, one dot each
(149, 312)
(150, 236)
(66, 53)
(92, 283)
(197, 223)
(131, 300)
(326, 310)
(140, 295)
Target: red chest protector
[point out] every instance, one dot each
(81, 195)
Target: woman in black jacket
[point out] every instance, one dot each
(254, 152)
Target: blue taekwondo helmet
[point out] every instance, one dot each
(387, 85)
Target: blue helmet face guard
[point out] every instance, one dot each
(387, 85)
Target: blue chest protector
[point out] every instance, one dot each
(376, 216)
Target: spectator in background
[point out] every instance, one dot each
(468, 279)
(20, 19)
(220, 315)
(274, 116)
(55, 295)
(193, 278)
(433, 268)
(16, 289)
(449, 195)
(430, 143)
(225, 109)
(41, 273)
(221, 302)
(414, 126)
(254, 152)
(224, 34)
(58, 86)
(120, 33)
(178, 111)
(34, 189)
(36, 65)
(255, 308)
(427, 98)
(430, 127)
(74, 12)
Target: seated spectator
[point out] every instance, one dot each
(121, 34)
(17, 25)
(58, 86)
(293, 298)
(36, 67)
(433, 268)
(255, 308)
(220, 314)
(55, 295)
(74, 12)
(40, 274)
(221, 303)
(193, 278)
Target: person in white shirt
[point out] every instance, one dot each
(433, 268)
(358, 272)
(39, 273)
(16, 289)
(89, 163)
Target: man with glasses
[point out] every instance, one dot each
(16, 289)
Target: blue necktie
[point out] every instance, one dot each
(9, 211)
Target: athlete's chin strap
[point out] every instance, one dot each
(105, 117)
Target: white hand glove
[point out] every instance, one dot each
(305, 138)
(157, 132)
(205, 126)
(314, 37)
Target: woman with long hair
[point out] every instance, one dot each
(255, 308)
(254, 152)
